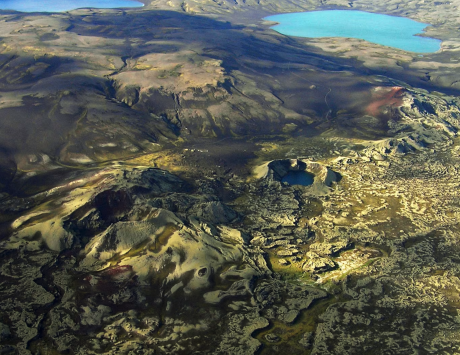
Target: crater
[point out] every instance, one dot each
(301, 172)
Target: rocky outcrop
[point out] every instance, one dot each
(317, 264)
(5, 332)
(285, 302)
(215, 212)
(425, 120)
(132, 254)
(329, 249)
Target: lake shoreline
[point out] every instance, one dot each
(387, 30)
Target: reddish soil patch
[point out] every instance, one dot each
(385, 97)
(117, 270)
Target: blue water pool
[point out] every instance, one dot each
(298, 178)
(391, 31)
(64, 5)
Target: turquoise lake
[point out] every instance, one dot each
(64, 5)
(298, 178)
(391, 31)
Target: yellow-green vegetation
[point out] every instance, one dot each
(290, 334)
(134, 251)
(162, 239)
(165, 159)
(170, 73)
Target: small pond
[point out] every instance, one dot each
(392, 31)
(64, 5)
(298, 178)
